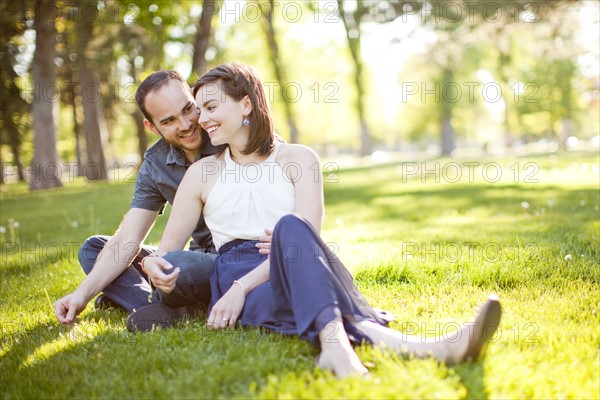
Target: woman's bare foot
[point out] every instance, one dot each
(337, 355)
(342, 362)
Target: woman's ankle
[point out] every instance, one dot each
(337, 354)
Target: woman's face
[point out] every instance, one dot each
(221, 116)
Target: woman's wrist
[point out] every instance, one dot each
(240, 285)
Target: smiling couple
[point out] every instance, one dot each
(256, 257)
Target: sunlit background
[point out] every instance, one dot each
(452, 78)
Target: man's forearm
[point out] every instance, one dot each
(117, 255)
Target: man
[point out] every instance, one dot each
(113, 264)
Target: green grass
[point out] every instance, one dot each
(427, 251)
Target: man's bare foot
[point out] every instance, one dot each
(342, 362)
(469, 343)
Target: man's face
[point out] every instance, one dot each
(175, 117)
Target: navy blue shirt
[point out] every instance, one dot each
(158, 179)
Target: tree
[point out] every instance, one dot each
(94, 125)
(505, 28)
(267, 11)
(13, 107)
(353, 14)
(453, 36)
(202, 38)
(533, 41)
(141, 41)
(46, 173)
(560, 55)
(352, 23)
(68, 73)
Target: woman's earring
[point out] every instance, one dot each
(246, 122)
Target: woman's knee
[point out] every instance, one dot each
(291, 221)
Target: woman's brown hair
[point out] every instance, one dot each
(238, 81)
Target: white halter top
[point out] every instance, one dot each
(246, 199)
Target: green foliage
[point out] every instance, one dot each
(423, 247)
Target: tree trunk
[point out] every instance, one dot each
(508, 138)
(138, 117)
(353, 36)
(203, 38)
(278, 69)
(1, 167)
(448, 143)
(76, 130)
(447, 131)
(366, 146)
(45, 172)
(91, 98)
(16, 155)
(14, 143)
(504, 60)
(294, 134)
(95, 139)
(565, 133)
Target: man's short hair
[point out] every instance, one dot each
(153, 82)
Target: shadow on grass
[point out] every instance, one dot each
(23, 343)
(50, 366)
(532, 213)
(186, 361)
(470, 195)
(471, 377)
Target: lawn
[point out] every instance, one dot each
(426, 241)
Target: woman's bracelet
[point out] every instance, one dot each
(241, 284)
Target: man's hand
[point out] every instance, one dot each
(154, 267)
(67, 308)
(227, 310)
(264, 246)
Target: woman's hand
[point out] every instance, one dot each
(227, 310)
(154, 267)
(264, 244)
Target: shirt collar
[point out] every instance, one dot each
(176, 156)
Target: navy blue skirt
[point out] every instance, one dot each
(308, 287)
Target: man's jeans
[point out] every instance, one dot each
(131, 289)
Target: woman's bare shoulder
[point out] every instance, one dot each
(205, 164)
(297, 153)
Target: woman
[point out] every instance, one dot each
(254, 184)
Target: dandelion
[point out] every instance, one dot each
(13, 227)
(551, 202)
(74, 224)
(568, 257)
(2, 230)
(582, 203)
(524, 205)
